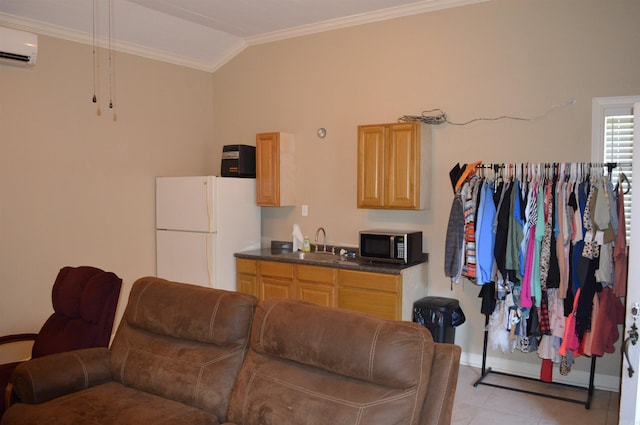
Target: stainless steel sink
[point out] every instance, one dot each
(317, 256)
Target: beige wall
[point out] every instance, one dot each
(77, 188)
(514, 57)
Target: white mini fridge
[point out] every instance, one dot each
(200, 223)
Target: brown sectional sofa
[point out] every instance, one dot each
(184, 354)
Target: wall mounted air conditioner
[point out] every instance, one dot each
(18, 47)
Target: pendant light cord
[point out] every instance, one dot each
(95, 67)
(110, 54)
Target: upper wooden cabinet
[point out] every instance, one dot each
(394, 166)
(275, 169)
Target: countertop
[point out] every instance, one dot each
(335, 261)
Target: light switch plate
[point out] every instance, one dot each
(305, 210)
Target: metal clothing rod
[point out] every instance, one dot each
(486, 371)
(500, 167)
(610, 165)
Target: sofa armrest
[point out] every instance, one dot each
(44, 378)
(438, 404)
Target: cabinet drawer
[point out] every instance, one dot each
(381, 304)
(246, 266)
(370, 281)
(272, 268)
(316, 274)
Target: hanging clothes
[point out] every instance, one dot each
(469, 195)
(610, 315)
(460, 255)
(514, 233)
(620, 249)
(563, 233)
(550, 241)
(485, 238)
(454, 243)
(536, 268)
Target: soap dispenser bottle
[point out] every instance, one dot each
(306, 245)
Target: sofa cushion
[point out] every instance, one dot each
(182, 342)
(316, 365)
(340, 342)
(108, 404)
(199, 314)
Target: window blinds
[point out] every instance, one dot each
(618, 148)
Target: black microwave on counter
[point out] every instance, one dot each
(391, 246)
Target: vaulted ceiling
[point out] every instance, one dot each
(202, 34)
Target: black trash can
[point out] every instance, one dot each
(440, 315)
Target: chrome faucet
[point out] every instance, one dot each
(324, 239)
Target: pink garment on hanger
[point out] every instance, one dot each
(570, 341)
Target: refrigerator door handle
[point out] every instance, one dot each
(208, 250)
(209, 188)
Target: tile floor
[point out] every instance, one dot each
(484, 404)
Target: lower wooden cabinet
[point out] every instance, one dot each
(379, 294)
(376, 303)
(276, 280)
(246, 276)
(276, 288)
(316, 285)
(373, 293)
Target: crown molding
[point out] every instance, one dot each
(361, 19)
(176, 59)
(85, 38)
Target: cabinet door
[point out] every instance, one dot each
(276, 280)
(371, 160)
(381, 304)
(316, 285)
(317, 293)
(247, 284)
(276, 288)
(372, 293)
(246, 279)
(267, 169)
(401, 167)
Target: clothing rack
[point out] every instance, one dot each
(530, 172)
(487, 370)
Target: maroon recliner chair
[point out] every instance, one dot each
(84, 302)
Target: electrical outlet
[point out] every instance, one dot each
(305, 210)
